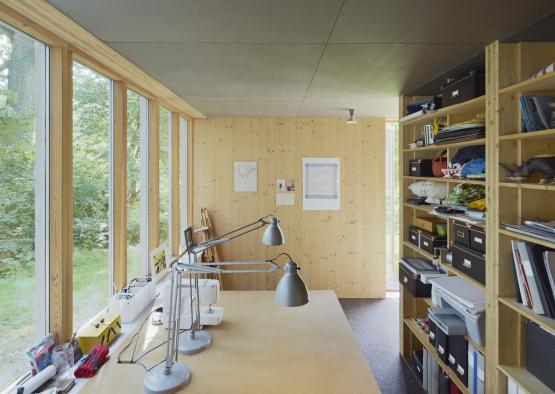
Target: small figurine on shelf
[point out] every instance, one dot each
(544, 164)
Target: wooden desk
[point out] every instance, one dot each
(260, 347)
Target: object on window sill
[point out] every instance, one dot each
(92, 363)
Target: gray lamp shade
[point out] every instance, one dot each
(291, 290)
(273, 235)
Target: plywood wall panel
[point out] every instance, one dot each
(340, 250)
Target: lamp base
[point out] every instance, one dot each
(192, 345)
(156, 382)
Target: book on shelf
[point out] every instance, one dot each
(532, 268)
(541, 225)
(531, 231)
(537, 112)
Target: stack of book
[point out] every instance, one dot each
(534, 271)
(535, 228)
(537, 112)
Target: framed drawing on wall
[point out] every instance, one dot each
(321, 184)
(245, 176)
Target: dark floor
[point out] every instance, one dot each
(376, 327)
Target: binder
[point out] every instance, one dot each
(476, 371)
(532, 284)
(542, 280)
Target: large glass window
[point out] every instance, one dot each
(165, 137)
(137, 165)
(91, 193)
(23, 198)
(183, 179)
(392, 205)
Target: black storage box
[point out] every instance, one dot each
(442, 345)
(429, 241)
(417, 361)
(462, 234)
(478, 239)
(420, 167)
(410, 278)
(458, 356)
(540, 353)
(432, 332)
(469, 262)
(414, 236)
(464, 89)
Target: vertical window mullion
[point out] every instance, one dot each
(183, 177)
(111, 197)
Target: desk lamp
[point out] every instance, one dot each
(171, 375)
(196, 340)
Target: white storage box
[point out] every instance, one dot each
(467, 300)
(130, 305)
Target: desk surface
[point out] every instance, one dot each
(259, 347)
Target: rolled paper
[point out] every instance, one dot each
(38, 380)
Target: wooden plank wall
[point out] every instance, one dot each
(338, 250)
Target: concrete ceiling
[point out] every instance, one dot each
(300, 58)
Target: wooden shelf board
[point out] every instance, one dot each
(418, 250)
(438, 147)
(454, 271)
(545, 83)
(528, 238)
(424, 208)
(423, 339)
(527, 136)
(437, 179)
(543, 321)
(474, 106)
(524, 379)
(529, 186)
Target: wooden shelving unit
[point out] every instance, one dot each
(412, 337)
(509, 67)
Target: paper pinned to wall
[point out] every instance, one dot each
(321, 184)
(245, 176)
(285, 198)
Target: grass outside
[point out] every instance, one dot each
(17, 306)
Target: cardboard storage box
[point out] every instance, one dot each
(429, 223)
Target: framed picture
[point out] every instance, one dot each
(158, 261)
(321, 184)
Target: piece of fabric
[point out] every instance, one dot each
(474, 167)
(96, 358)
(465, 193)
(468, 153)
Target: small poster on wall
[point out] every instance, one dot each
(321, 181)
(245, 176)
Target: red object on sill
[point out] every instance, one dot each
(97, 357)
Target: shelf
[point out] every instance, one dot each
(423, 339)
(543, 321)
(418, 250)
(545, 83)
(528, 238)
(474, 106)
(438, 179)
(528, 135)
(529, 186)
(524, 379)
(454, 271)
(424, 208)
(437, 147)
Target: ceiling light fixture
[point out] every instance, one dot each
(351, 119)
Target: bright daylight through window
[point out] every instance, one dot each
(23, 202)
(165, 135)
(91, 193)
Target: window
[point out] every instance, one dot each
(165, 184)
(91, 193)
(183, 179)
(137, 175)
(392, 205)
(23, 200)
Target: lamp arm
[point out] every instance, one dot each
(212, 268)
(228, 236)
